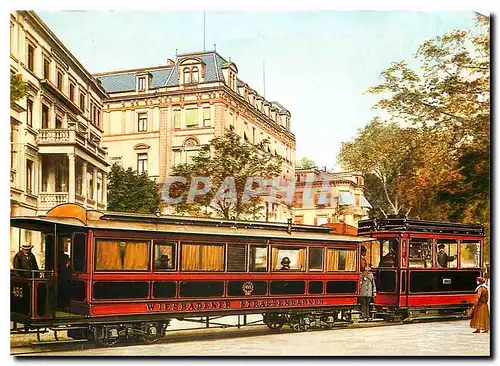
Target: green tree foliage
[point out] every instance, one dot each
(305, 163)
(226, 156)
(17, 87)
(446, 172)
(381, 151)
(130, 192)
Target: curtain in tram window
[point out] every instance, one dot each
(212, 257)
(274, 258)
(301, 258)
(108, 256)
(333, 260)
(136, 257)
(350, 260)
(190, 257)
(375, 254)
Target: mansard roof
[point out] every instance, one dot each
(125, 81)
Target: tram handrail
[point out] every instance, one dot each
(31, 274)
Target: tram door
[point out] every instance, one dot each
(57, 260)
(385, 256)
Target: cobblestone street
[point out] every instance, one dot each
(447, 338)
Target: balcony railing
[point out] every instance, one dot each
(54, 136)
(53, 199)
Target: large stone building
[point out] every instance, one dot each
(158, 117)
(323, 197)
(56, 129)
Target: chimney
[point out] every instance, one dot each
(170, 62)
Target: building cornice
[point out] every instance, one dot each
(37, 22)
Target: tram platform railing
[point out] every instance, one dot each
(32, 294)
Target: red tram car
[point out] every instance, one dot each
(432, 269)
(131, 274)
(111, 276)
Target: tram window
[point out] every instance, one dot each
(165, 258)
(258, 258)
(202, 257)
(118, 255)
(341, 260)
(420, 253)
(390, 249)
(372, 253)
(446, 253)
(316, 259)
(78, 257)
(289, 259)
(237, 257)
(470, 254)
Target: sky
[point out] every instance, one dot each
(318, 64)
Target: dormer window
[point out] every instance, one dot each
(187, 75)
(141, 83)
(191, 71)
(194, 75)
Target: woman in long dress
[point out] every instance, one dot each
(481, 316)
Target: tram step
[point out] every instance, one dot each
(59, 342)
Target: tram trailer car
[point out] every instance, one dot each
(130, 274)
(418, 281)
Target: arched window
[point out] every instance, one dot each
(187, 75)
(194, 75)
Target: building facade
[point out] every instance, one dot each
(155, 118)
(56, 129)
(323, 197)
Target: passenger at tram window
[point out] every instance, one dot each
(285, 264)
(443, 258)
(164, 256)
(388, 260)
(163, 262)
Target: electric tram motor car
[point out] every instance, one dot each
(108, 276)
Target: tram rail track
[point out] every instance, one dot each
(189, 335)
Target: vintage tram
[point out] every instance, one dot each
(423, 268)
(110, 276)
(131, 274)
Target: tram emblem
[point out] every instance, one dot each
(247, 287)
(446, 281)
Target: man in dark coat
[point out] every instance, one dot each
(443, 258)
(26, 261)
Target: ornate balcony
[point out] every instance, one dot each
(57, 136)
(52, 199)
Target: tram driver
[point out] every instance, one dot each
(443, 258)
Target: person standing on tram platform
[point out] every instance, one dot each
(367, 291)
(362, 263)
(25, 261)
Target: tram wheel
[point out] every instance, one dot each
(152, 336)
(101, 339)
(297, 327)
(275, 326)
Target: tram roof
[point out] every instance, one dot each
(72, 217)
(414, 225)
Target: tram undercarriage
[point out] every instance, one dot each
(148, 332)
